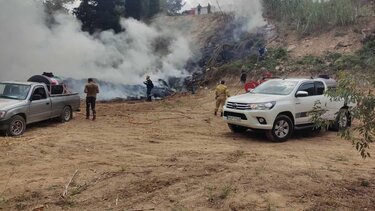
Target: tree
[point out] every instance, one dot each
(141, 9)
(100, 15)
(354, 90)
(173, 7)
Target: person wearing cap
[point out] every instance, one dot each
(149, 86)
(221, 96)
(91, 90)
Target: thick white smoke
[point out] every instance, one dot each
(29, 47)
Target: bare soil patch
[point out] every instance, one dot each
(175, 155)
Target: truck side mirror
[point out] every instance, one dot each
(36, 97)
(302, 94)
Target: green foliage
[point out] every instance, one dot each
(172, 7)
(356, 92)
(141, 9)
(100, 15)
(234, 66)
(310, 60)
(308, 16)
(273, 58)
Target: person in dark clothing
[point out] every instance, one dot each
(262, 53)
(243, 76)
(149, 86)
(91, 90)
(199, 9)
(209, 8)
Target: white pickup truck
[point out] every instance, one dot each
(280, 106)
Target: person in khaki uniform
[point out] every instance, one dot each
(221, 96)
(91, 89)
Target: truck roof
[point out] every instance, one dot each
(329, 82)
(21, 83)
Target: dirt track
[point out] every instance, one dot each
(175, 155)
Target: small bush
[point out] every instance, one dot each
(365, 183)
(310, 60)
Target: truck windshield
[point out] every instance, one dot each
(275, 87)
(14, 91)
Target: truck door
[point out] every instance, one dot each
(40, 105)
(304, 105)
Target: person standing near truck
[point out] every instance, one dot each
(149, 86)
(243, 76)
(91, 90)
(221, 96)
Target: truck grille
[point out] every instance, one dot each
(238, 106)
(242, 116)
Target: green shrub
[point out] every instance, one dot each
(308, 16)
(310, 60)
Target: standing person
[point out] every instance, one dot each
(199, 8)
(221, 96)
(209, 8)
(262, 53)
(149, 86)
(243, 76)
(91, 90)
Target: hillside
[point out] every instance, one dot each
(174, 154)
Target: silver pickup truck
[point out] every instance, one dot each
(22, 103)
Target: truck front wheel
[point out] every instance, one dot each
(282, 129)
(17, 126)
(66, 114)
(237, 128)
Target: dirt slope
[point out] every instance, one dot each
(342, 40)
(175, 155)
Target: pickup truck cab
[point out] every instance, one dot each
(280, 106)
(22, 103)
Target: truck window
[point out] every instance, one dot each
(307, 87)
(40, 91)
(319, 86)
(14, 91)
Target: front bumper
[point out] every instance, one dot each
(249, 118)
(4, 124)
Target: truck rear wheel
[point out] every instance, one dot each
(237, 128)
(282, 129)
(66, 114)
(17, 126)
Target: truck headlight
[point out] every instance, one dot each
(2, 114)
(262, 106)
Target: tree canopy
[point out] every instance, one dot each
(172, 7)
(100, 15)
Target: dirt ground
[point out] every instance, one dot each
(175, 155)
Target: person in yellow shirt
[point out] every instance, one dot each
(221, 96)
